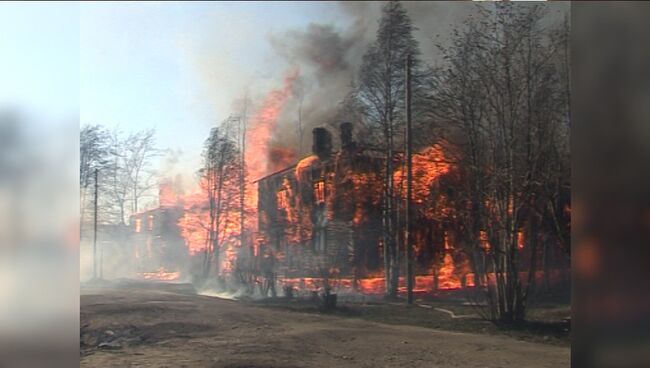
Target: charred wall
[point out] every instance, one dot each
(156, 239)
(323, 213)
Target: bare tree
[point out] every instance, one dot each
(502, 101)
(94, 153)
(220, 178)
(127, 175)
(139, 149)
(118, 182)
(125, 170)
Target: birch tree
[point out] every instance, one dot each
(501, 98)
(94, 154)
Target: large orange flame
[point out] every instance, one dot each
(262, 157)
(428, 166)
(259, 149)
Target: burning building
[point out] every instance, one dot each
(158, 247)
(321, 219)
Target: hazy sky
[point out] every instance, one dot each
(42, 87)
(178, 66)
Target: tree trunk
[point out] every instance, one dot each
(216, 218)
(530, 284)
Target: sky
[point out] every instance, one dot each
(178, 67)
(45, 88)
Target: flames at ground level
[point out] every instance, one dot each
(161, 275)
(375, 285)
(424, 284)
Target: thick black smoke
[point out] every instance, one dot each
(329, 57)
(326, 57)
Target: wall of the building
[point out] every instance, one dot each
(156, 240)
(342, 231)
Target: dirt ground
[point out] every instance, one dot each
(136, 324)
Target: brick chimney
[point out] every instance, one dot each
(322, 146)
(347, 144)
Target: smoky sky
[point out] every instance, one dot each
(329, 56)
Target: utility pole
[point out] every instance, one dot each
(242, 183)
(409, 187)
(95, 230)
(300, 128)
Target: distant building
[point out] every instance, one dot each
(156, 241)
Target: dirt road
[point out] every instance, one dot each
(166, 325)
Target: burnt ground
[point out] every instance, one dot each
(548, 317)
(136, 324)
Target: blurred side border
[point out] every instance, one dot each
(611, 180)
(39, 190)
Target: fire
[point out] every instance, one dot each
(484, 242)
(304, 164)
(160, 275)
(428, 166)
(447, 277)
(167, 197)
(375, 285)
(261, 158)
(193, 223)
